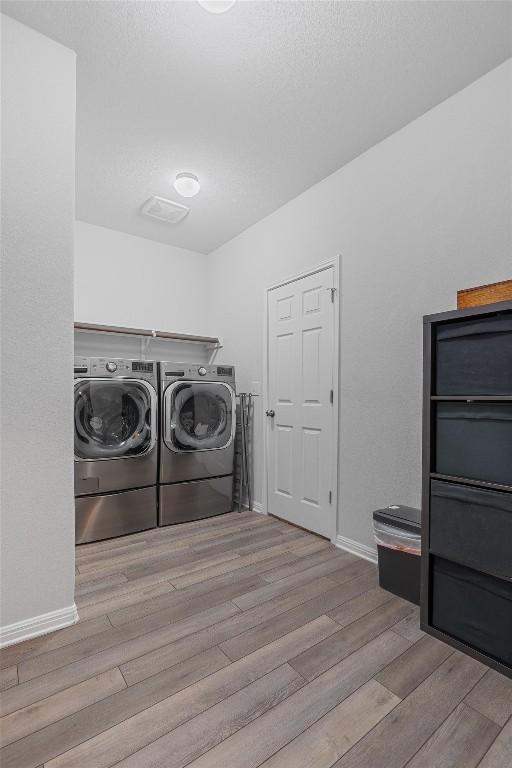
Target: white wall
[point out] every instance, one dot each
(418, 216)
(125, 280)
(38, 191)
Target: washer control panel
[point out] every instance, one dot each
(103, 367)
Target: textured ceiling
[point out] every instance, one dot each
(260, 102)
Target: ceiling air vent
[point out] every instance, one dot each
(164, 210)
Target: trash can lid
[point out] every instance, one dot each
(403, 518)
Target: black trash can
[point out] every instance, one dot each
(398, 535)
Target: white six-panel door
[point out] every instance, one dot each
(300, 421)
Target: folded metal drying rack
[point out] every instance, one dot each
(245, 483)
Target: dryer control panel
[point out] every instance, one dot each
(170, 371)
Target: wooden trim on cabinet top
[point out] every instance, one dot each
(484, 294)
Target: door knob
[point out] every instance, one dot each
(270, 414)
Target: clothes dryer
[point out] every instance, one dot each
(197, 430)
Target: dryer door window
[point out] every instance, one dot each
(199, 416)
(114, 418)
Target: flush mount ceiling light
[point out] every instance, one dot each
(187, 184)
(216, 6)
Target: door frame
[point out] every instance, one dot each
(335, 264)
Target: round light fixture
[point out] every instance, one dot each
(216, 6)
(187, 184)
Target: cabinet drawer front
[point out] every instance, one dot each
(474, 441)
(473, 608)
(475, 357)
(194, 500)
(472, 526)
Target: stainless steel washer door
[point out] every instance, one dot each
(114, 418)
(199, 416)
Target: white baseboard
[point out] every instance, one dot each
(355, 548)
(38, 625)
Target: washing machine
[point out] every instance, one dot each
(116, 447)
(197, 430)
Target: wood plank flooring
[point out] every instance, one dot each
(241, 641)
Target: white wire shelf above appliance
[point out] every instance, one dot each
(146, 335)
(125, 331)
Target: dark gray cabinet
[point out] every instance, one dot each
(466, 585)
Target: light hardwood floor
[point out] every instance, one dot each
(239, 642)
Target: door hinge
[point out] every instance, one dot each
(330, 497)
(331, 396)
(333, 294)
